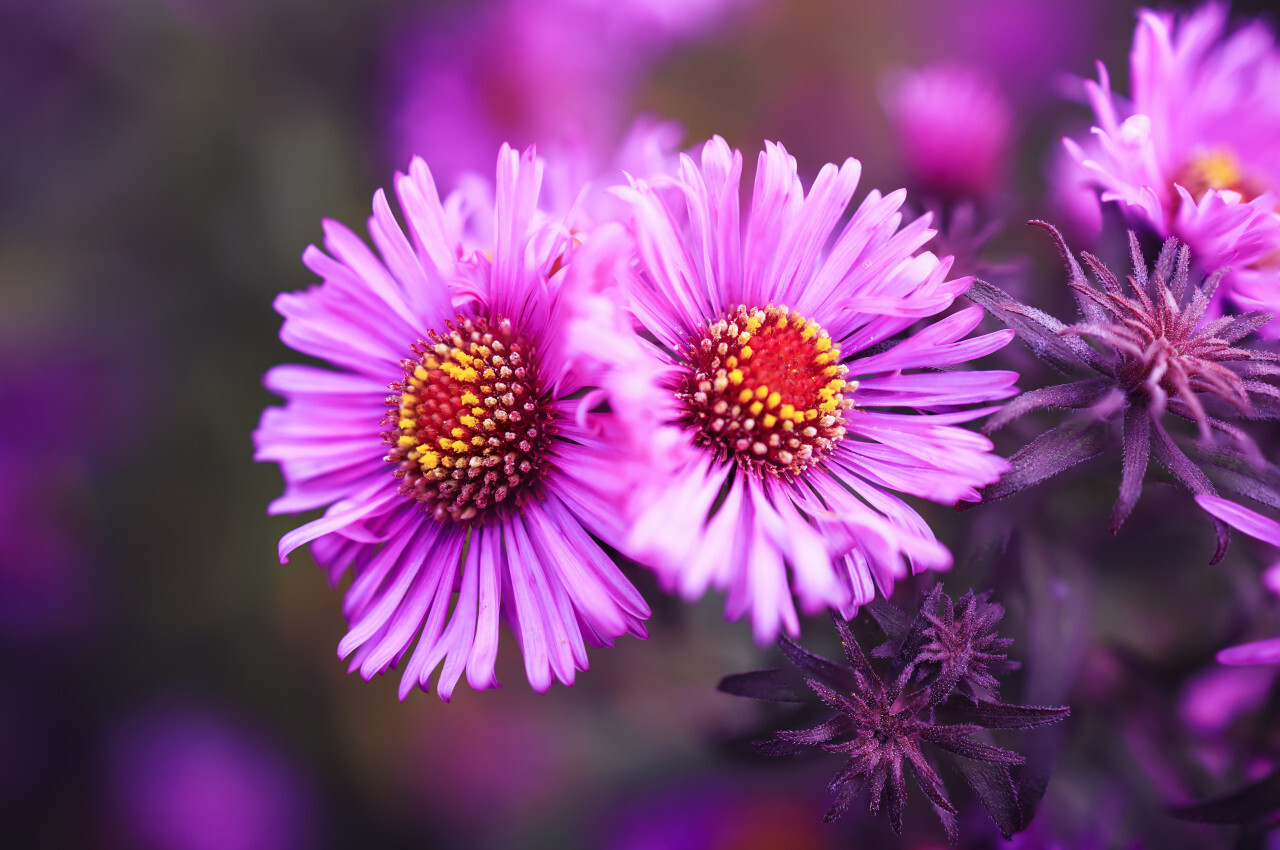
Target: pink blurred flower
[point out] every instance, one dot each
(476, 476)
(658, 22)
(1194, 153)
(508, 71)
(953, 128)
(559, 73)
(1214, 698)
(1022, 45)
(187, 779)
(778, 458)
(1260, 528)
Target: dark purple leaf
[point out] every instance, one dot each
(1074, 272)
(846, 794)
(1137, 451)
(852, 651)
(774, 685)
(1251, 804)
(819, 734)
(840, 702)
(775, 747)
(972, 749)
(1181, 467)
(1262, 364)
(948, 823)
(995, 790)
(1074, 396)
(1031, 781)
(1237, 475)
(816, 666)
(1104, 275)
(890, 618)
(1037, 329)
(998, 715)
(1049, 454)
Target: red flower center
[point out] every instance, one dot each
(765, 386)
(471, 429)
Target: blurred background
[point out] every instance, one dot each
(166, 684)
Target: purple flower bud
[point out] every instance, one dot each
(888, 711)
(1154, 353)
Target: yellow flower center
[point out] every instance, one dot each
(1217, 169)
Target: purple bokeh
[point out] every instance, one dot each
(185, 778)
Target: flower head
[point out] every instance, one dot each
(885, 717)
(1155, 354)
(562, 73)
(788, 400)
(1192, 155)
(953, 128)
(474, 477)
(513, 70)
(958, 649)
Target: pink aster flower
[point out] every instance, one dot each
(1193, 153)
(658, 22)
(563, 73)
(953, 128)
(475, 475)
(1268, 531)
(513, 70)
(800, 404)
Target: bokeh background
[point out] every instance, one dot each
(166, 684)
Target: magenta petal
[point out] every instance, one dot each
(1246, 654)
(489, 561)
(432, 595)
(1241, 518)
(365, 504)
(531, 616)
(457, 641)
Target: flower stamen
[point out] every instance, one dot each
(766, 386)
(1217, 169)
(470, 431)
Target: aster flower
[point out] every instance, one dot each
(660, 21)
(796, 406)
(1023, 45)
(953, 128)
(884, 717)
(563, 73)
(474, 476)
(1155, 354)
(460, 84)
(1193, 154)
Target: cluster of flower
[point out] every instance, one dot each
(670, 376)
(737, 396)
